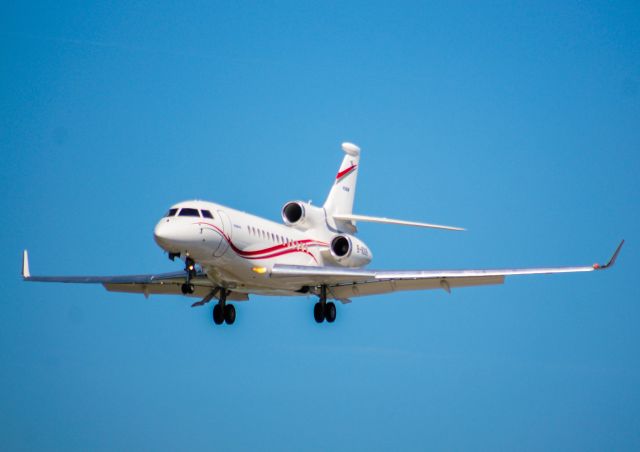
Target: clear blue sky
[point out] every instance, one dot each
(517, 120)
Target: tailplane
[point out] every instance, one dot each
(339, 203)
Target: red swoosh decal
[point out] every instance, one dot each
(273, 251)
(345, 172)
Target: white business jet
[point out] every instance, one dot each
(230, 254)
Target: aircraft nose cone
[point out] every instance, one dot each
(162, 234)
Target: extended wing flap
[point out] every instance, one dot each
(200, 290)
(383, 286)
(348, 283)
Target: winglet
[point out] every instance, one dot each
(26, 274)
(612, 260)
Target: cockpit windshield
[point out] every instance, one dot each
(171, 213)
(188, 212)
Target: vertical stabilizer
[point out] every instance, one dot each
(26, 274)
(340, 199)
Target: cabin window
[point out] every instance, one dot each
(206, 214)
(188, 212)
(171, 213)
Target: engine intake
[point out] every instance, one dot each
(302, 215)
(349, 251)
(341, 246)
(292, 212)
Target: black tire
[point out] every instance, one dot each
(229, 314)
(330, 312)
(184, 288)
(218, 315)
(318, 312)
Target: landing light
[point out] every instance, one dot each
(259, 270)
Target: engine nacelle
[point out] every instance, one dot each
(302, 215)
(350, 251)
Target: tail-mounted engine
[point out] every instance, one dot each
(349, 251)
(302, 215)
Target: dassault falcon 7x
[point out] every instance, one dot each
(229, 255)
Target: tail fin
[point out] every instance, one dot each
(340, 199)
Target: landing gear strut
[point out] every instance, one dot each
(322, 310)
(223, 312)
(190, 268)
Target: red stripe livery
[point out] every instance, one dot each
(346, 172)
(298, 246)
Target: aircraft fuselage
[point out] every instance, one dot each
(234, 247)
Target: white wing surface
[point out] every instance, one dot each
(158, 283)
(344, 283)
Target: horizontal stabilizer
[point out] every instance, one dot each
(352, 217)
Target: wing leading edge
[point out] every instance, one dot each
(344, 283)
(158, 283)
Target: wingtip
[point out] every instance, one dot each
(613, 259)
(26, 274)
(615, 254)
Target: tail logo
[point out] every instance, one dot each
(344, 173)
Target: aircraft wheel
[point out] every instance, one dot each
(187, 288)
(218, 315)
(229, 314)
(318, 312)
(330, 312)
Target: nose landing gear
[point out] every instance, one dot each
(190, 268)
(187, 288)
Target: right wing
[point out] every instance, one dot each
(345, 283)
(158, 283)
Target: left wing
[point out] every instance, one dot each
(344, 283)
(158, 283)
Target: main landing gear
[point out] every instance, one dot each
(223, 312)
(322, 310)
(190, 268)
